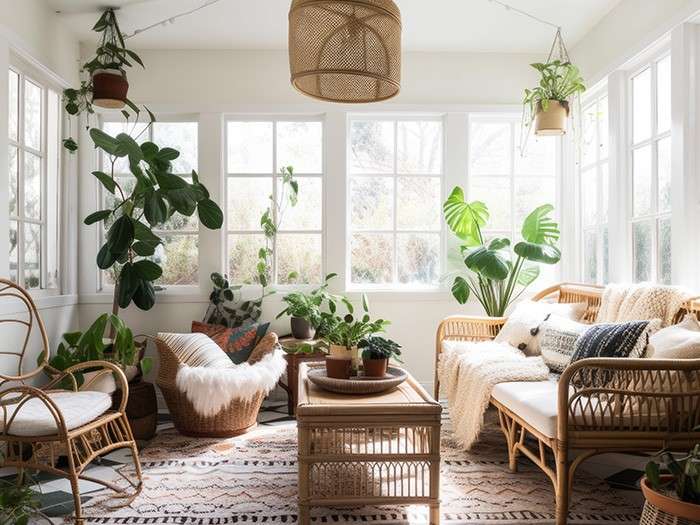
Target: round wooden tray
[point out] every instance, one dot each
(357, 385)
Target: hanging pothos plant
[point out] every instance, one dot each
(104, 81)
(496, 273)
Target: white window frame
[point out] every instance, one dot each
(600, 229)
(274, 175)
(104, 287)
(394, 286)
(654, 216)
(43, 154)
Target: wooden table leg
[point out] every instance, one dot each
(435, 514)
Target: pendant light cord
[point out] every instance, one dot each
(509, 7)
(171, 19)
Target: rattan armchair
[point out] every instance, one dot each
(603, 404)
(36, 427)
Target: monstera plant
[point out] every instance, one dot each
(497, 272)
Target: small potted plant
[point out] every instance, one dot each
(672, 488)
(376, 352)
(549, 101)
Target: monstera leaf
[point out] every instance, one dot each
(539, 227)
(488, 263)
(542, 253)
(465, 219)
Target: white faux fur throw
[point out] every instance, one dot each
(637, 302)
(468, 372)
(210, 390)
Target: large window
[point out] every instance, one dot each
(256, 151)
(594, 184)
(511, 184)
(179, 253)
(395, 171)
(34, 174)
(650, 160)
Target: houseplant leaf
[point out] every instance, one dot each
(542, 253)
(465, 219)
(210, 214)
(539, 227)
(460, 290)
(488, 263)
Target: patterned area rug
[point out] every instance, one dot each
(253, 479)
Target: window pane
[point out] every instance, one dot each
(539, 159)
(32, 186)
(300, 145)
(371, 258)
(489, 151)
(183, 137)
(665, 250)
(589, 196)
(13, 103)
(32, 115)
(372, 203)
(14, 252)
(32, 255)
(418, 258)
(589, 142)
(418, 203)
(243, 257)
(371, 146)
(641, 106)
(300, 253)
(590, 257)
(641, 241)
(308, 212)
(179, 257)
(663, 94)
(604, 190)
(664, 181)
(495, 192)
(531, 193)
(603, 131)
(249, 147)
(641, 164)
(12, 172)
(606, 256)
(419, 147)
(248, 198)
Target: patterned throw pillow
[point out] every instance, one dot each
(558, 337)
(243, 340)
(265, 346)
(615, 339)
(196, 350)
(216, 332)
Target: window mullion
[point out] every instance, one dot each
(275, 202)
(395, 265)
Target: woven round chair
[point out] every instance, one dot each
(239, 417)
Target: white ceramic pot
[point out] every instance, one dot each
(103, 382)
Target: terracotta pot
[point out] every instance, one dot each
(302, 329)
(109, 88)
(669, 505)
(348, 353)
(338, 367)
(551, 121)
(375, 367)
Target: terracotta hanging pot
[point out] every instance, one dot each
(667, 504)
(551, 121)
(109, 88)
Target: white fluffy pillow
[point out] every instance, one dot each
(680, 341)
(521, 330)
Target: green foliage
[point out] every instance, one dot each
(309, 306)
(347, 331)
(18, 502)
(684, 474)
(231, 316)
(111, 53)
(558, 81)
(156, 197)
(377, 347)
(494, 271)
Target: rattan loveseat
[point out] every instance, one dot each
(598, 405)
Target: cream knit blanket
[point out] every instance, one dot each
(468, 371)
(635, 302)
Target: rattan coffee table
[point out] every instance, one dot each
(357, 450)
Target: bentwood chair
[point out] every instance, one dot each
(39, 425)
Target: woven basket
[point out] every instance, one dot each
(237, 418)
(660, 509)
(652, 515)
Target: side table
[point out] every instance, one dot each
(293, 361)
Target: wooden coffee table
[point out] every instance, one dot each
(357, 450)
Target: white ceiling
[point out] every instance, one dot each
(428, 25)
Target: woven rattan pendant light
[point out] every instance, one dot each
(345, 50)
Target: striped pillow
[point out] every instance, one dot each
(615, 339)
(196, 350)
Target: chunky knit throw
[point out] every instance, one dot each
(634, 302)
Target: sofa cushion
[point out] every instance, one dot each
(628, 339)
(533, 401)
(77, 408)
(680, 341)
(558, 337)
(196, 350)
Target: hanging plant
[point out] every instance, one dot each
(104, 81)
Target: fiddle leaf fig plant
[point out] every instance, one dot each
(496, 273)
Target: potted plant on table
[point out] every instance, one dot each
(376, 352)
(672, 488)
(549, 102)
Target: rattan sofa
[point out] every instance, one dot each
(598, 405)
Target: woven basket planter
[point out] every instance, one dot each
(660, 509)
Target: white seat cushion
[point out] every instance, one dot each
(533, 401)
(77, 408)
